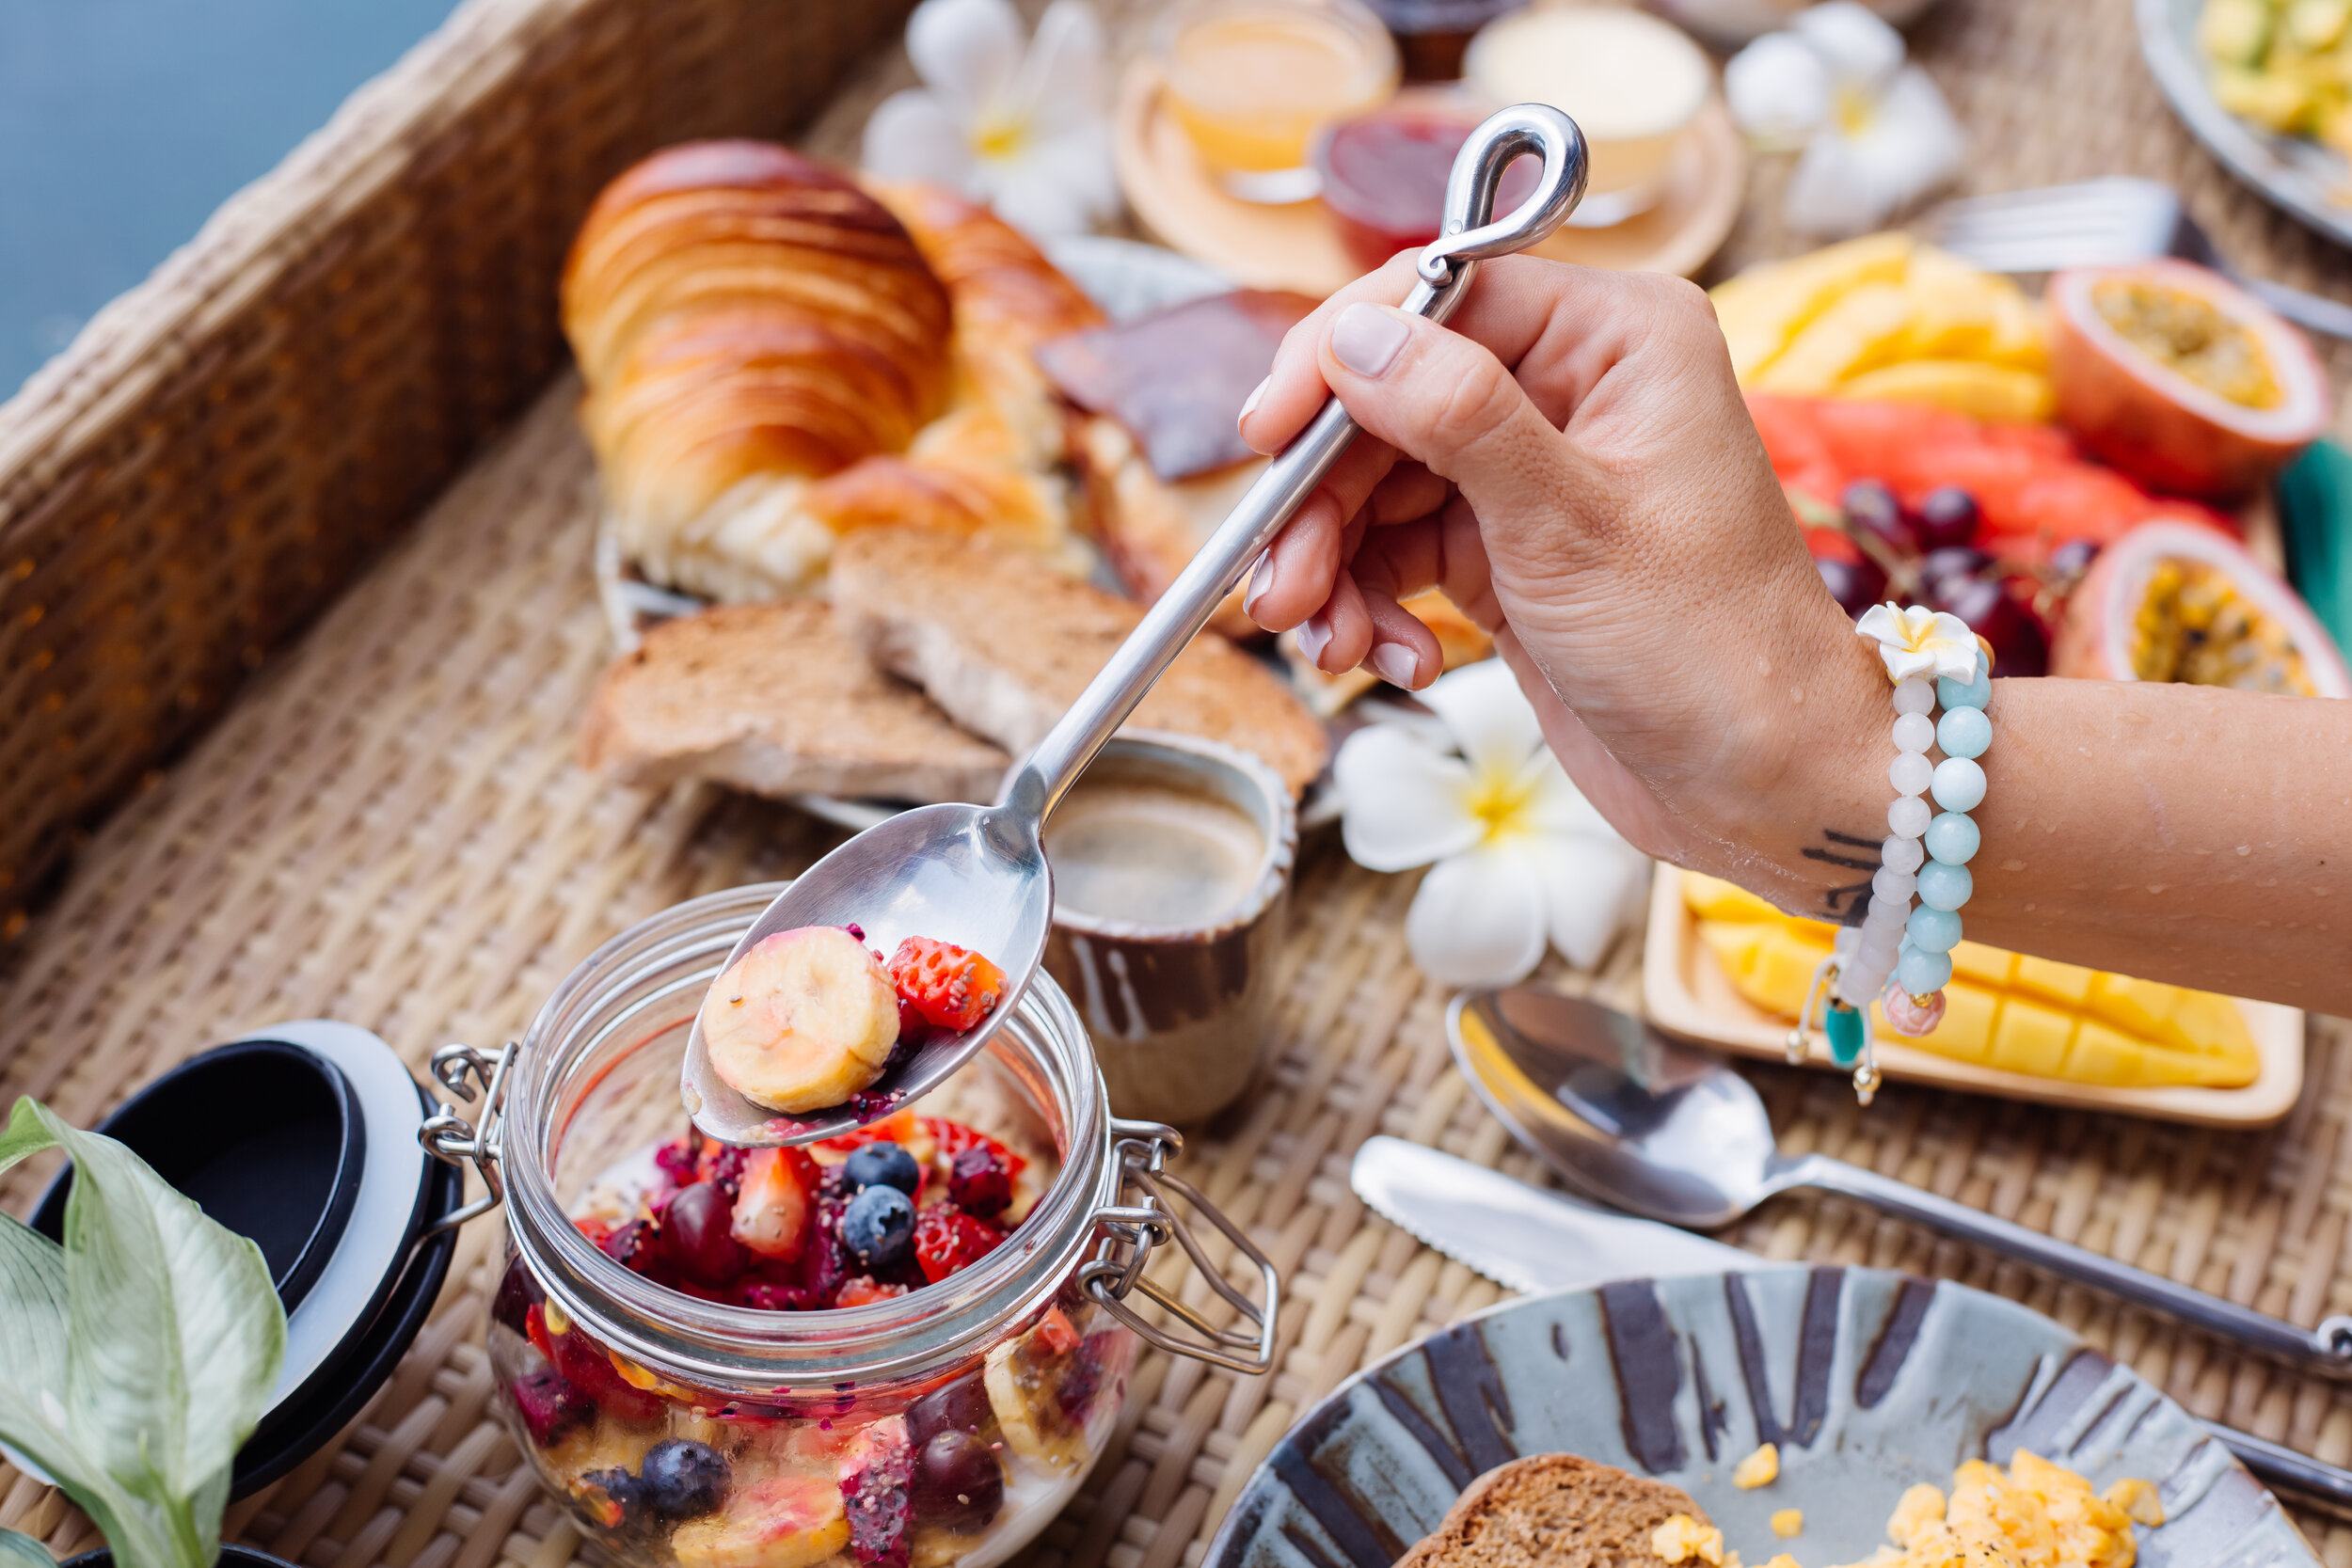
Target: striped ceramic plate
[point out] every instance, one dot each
(1868, 1381)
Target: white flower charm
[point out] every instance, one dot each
(1024, 129)
(1920, 641)
(1522, 858)
(1876, 132)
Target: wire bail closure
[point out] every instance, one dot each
(1130, 1233)
(453, 1139)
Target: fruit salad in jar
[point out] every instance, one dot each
(962, 1464)
(895, 1476)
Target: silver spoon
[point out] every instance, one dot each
(1673, 1133)
(976, 876)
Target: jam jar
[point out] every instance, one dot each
(945, 1425)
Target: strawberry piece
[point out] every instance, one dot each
(897, 1128)
(535, 1329)
(778, 1200)
(948, 1240)
(953, 1137)
(877, 1465)
(861, 1290)
(953, 987)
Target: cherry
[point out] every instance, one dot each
(1856, 585)
(2074, 557)
(517, 1295)
(695, 1228)
(2018, 645)
(1947, 516)
(958, 1482)
(1950, 563)
(960, 1406)
(1871, 509)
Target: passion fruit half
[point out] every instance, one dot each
(2181, 378)
(2174, 601)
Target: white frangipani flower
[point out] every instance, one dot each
(1876, 132)
(1024, 128)
(1522, 858)
(1920, 641)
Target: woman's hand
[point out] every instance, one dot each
(1570, 461)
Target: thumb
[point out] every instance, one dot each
(1439, 398)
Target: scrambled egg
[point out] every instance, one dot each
(2036, 1515)
(1760, 1469)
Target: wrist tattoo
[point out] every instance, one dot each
(1847, 902)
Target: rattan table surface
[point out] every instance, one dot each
(389, 826)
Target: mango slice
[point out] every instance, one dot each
(1763, 307)
(2002, 1009)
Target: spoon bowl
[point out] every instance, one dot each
(967, 874)
(1671, 1132)
(976, 876)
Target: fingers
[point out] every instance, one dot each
(1294, 576)
(1293, 388)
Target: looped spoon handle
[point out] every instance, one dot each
(1037, 783)
(2325, 1350)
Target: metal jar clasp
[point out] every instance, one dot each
(1133, 1229)
(454, 1140)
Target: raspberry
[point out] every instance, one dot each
(953, 1137)
(978, 1181)
(948, 1240)
(953, 987)
(678, 1158)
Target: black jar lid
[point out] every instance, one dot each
(303, 1136)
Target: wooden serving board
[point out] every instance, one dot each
(1685, 992)
(1177, 198)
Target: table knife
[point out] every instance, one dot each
(1529, 1239)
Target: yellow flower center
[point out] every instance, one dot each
(999, 136)
(1855, 110)
(1498, 800)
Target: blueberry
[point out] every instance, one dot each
(614, 1498)
(883, 1164)
(877, 1224)
(682, 1479)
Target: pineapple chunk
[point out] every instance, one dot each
(2316, 24)
(2274, 99)
(2234, 32)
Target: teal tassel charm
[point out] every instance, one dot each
(1846, 1028)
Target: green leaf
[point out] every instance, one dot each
(171, 1340)
(19, 1550)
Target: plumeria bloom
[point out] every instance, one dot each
(1023, 126)
(1876, 132)
(1920, 641)
(1521, 858)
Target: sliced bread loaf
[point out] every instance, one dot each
(1552, 1511)
(771, 698)
(1005, 648)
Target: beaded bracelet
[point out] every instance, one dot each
(1899, 955)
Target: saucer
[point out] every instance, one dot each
(1179, 200)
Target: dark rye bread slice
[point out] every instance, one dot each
(773, 699)
(1552, 1511)
(1005, 648)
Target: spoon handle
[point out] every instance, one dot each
(1037, 783)
(2325, 1350)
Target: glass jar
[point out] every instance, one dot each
(947, 1425)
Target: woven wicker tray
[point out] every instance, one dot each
(353, 378)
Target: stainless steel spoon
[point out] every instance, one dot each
(1675, 1135)
(977, 875)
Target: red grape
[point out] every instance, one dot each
(695, 1228)
(1947, 516)
(958, 1482)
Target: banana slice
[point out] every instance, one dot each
(802, 1022)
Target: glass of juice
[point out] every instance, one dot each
(1252, 80)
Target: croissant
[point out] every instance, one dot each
(773, 358)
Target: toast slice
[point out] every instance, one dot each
(771, 698)
(1005, 649)
(1553, 1510)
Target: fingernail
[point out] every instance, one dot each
(1367, 340)
(1395, 664)
(1261, 584)
(1249, 406)
(1315, 635)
